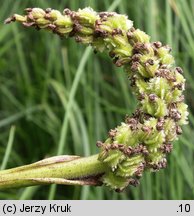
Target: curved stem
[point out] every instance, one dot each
(53, 170)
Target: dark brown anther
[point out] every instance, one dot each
(114, 146)
(136, 150)
(163, 66)
(166, 148)
(178, 130)
(163, 163)
(157, 44)
(141, 96)
(140, 47)
(129, 148)
(171, 78)
(136, 58)
(139, 171)
(132, 81)
(160, 124)
(145, 151)
(117, 31)
(51, 26)
(165, 73)
(47, 16)
(78, 39)
(172, 105)
(76, 28)
(179, 70)
(134, 66)
(29, 24)
(146, 129)
(128, 151)
(175, 114)
(121, 147)
(100, 33)
(155, 167)
(124, 151)
(48, 10)
(112, 133)
(119, 190)
(133, 182)
(9, 20)
(152, 97)
(103, 14)
(132, 29)
(129, 35)
(28, 10)
(160, 165)
(67, 11)
(140, 149)
(30, 17)
(150, 61)
(138, 113)
(157, 73)
(98, 23)
(179, 86)
(132, 122)
(99, 144)
(146, 116)
(181, 98)
(119, 63)
(106, 14)
(107, 147)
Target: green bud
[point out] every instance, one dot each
(42, 22)
(129, 167)
(20, 18)
(160, 87)
(55, 15)
(167, 59)
(156, 108)
(64, 31)
(115, 182)
(170, 130)
(87, 15)
(63, 21)
(141, 36)
(117, 21)
(37, 13)
(182, 108)
(86, 31)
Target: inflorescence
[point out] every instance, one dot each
(143, 140)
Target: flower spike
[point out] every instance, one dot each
(145, 138)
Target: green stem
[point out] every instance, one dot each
(43, 172)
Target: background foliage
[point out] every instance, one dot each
(57, 97)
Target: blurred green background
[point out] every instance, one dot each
(57, 97)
